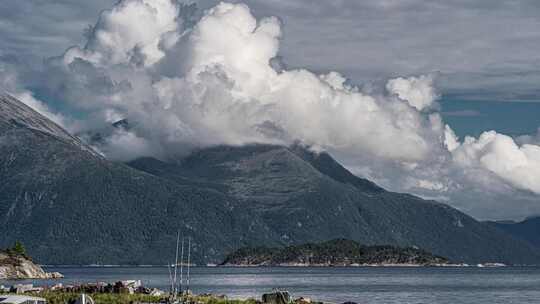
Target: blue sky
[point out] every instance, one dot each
(469, 117)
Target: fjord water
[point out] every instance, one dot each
(370, 285)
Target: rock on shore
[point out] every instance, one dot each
(21, 267)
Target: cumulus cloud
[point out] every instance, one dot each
(533, 139)
(225, 73)
(417, 91)
(133, 31)
(498, 153)
(213, 81)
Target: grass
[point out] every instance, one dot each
(56, 297)
(214, 300)
(100, 298)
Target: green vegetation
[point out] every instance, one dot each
(100, 298)
(217, 300)
(339, 252)
(18, 249)
(54, 297)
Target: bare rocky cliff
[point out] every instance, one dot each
(20, 267)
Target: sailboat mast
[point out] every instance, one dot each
(188, 262)
(170, 278)
(176, 263)
(182, 266)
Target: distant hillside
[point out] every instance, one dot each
(527, 230)
(338, 252)
(301, 196)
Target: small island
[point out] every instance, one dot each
(16, 264)
(335, 253)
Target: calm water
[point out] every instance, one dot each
(362, 285)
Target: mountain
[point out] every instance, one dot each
(339, 252)
(302, 196)
(70, 205)
(527, 230)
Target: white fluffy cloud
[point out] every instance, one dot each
(230, 76)
(214, 83)
(417, 91)
(133, 31)
(121, 144)
(225, 90)
(498, 153)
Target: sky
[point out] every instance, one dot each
(436, 98)
(483, 49)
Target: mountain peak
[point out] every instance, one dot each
(293, 159)
(15, 114)
(327, 165)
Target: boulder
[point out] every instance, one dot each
(302, 300)
(278, 297)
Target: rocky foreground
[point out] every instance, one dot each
(15, 266)
(339, 252)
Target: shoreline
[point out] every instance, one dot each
(297, 265)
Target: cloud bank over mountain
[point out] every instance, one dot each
(187, 79)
